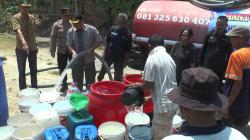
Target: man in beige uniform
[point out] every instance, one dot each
(58, 39)
(24, 25)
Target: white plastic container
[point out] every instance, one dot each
(177, 121)
(6, 132)
(47, 118)
(136, 118)
(41, 107)
(29, 93)
(29, 132)
(26, 103)
(49, 97)
(20, 120)
(63, 108)
(112, 131)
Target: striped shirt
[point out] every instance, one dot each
(160, 69)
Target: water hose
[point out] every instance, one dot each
(69, 65)
(212, 4)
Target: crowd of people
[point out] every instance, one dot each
(203, 87)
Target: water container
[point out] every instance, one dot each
(49, 97)
(137, 78)
(30, 92)
(28, 132)
(105, 102)
(20, 120)
(140, 132)
(86, 132)
(136, 118)
(47, 118)
(78, 118)
(133, 95)
(3, 98)
(56, 133)
(41, 107)
(26, 103)
(6, 132)
(112, 131)
(63, 108)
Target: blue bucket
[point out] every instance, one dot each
(140, 132)
(3, 98)
(86, 132)
(56, 133)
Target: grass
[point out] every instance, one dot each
(7, 44)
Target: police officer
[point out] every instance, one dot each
(58, 42)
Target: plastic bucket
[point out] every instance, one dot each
(136, 118)
(105, 102)
(6, 132)
(112, 131)
(20, 120)
(28, 132)
(49, 97)
(30, 93)
(56, 133)
(41, 107)
(26, 103)
(137, 78)
(3, 98)
(140, 132)
(47, 118)
(88, 132)
(63, 108)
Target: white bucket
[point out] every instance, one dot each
(49, 97)
(136, 118)
(20, 120)
(177, 121)
(41, 107)
(47, 118)
(30, 92)
(29, 132)
(112, 131)
(6, 132)
(26, 103)
(63, 108)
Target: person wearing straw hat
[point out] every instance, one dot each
(238, 79)
(83, 37)
(199, 100)
(58, 39)
(24, 25)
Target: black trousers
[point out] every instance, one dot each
(78, 69)
(22, 57)
(62, 61)
(118, 67)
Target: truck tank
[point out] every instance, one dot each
(167, 18)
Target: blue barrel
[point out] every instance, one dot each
(3, 98)
(140, 132)
(56, 133)
(86, 132)
(78, 118)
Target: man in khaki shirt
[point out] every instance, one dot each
(58, 39)
(24, 25)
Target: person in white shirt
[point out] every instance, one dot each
(199, 100)
(159, 78)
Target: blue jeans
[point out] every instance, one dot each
(22, 56)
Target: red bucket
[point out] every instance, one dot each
(105, 102)
(137, 78)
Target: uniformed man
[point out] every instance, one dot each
(58, 39)
(24, 25)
